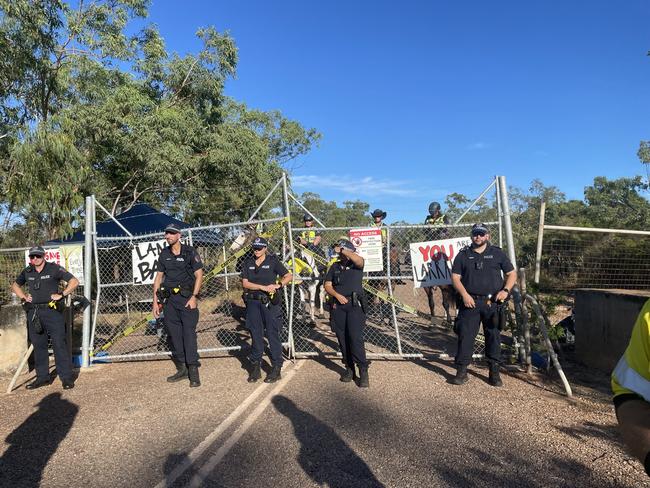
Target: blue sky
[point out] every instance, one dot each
(419, 99)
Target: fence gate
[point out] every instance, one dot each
(124, 327)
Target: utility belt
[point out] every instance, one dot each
(57, 305)
(31, 309)
(358, 300)
(164, 292)
(260, 296)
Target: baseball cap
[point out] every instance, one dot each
(172, 228)
(347, 245)
(259, 243)
(36, 251)
(480, 229)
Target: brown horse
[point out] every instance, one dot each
(448, 297)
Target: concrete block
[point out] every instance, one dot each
(13, 338)
(604, 322)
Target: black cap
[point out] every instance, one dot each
(259, 243)
(480, 229)
(36, 251)
(347, 245)
(379, 213)
(172, 228)
(307, 217)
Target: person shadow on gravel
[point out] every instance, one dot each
(324, 456)
(34, 442)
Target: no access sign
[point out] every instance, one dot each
(369, 246)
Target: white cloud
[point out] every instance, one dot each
(367, 185)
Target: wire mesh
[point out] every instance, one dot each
(574, 259)
(401, 318)
(124, 324)
(12, 262)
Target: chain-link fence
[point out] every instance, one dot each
(13, 261)
(402, 314)
(124, 327)
(573, 259)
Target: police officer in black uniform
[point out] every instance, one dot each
(44, 306)
(476, 276)
(348, 318)
(175, 290)
(260, 275)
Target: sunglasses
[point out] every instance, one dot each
(259, 248)
(474, 234)
(34, 256)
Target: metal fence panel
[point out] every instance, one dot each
(124, 327)
(400, 317)
(574, 259)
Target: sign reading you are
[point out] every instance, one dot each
(432, 260)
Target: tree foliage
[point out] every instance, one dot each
(351, 214)
(86, 107)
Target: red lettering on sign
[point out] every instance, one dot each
(425, 253)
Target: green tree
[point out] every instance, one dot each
(351, 214)
(87, 108)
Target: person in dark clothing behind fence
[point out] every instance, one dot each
(44, 306)
(476, 276)
(175, 290)
(343, 282)
(260, 275)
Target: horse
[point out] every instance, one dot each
(311, 285)
(243, 239)
(448, 297)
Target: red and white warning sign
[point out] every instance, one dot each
(369, 246)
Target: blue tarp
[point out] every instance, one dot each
(140, 219)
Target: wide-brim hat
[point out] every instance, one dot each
(378, 213)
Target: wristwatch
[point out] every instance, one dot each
(506, 290)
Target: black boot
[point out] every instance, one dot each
(364, 381)
(348, 375)
(39, 382)
(274, 375)
(461, 376)
(181, 372)
(495, 378)
(193, 374)
(255, 372)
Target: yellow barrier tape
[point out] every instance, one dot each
(232, 259)
(369, 288)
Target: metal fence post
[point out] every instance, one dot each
(287, 214)
(540, 237)
(390, 292)
(88, 251)
(499, 213)
(506, 220)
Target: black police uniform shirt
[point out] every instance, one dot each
(42, 285)
(264, 274)
(349, 278)
(480, 273)
(179, 269)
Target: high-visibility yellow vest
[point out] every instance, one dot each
(632, 373)
(440, 221)
(309, 235)
(382, 226)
